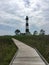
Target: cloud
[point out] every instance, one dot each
(13, 12)
(6, 16)
(4, 32)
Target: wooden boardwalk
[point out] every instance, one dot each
(26, 55)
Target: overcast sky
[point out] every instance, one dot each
(13, 12)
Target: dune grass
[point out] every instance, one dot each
(39, 42)
(7, 50)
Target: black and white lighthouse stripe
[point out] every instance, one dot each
(27, 25)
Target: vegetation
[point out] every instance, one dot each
(42, 32)
(7, 50)
(17, 32)
(40, 42)
(35, 32)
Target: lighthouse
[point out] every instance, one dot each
(27, 26)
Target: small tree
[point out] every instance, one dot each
(17, 32)
(42, 32)
(35, 32)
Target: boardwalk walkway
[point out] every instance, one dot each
(26, 55)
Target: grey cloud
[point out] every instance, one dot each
(47, 1)
(8, 8)
(13, 13)
(27, 3)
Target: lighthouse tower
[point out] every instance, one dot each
(27, 26)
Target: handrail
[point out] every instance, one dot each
(42, 57)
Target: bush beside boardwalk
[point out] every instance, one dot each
(39, 42)
(7, 50)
